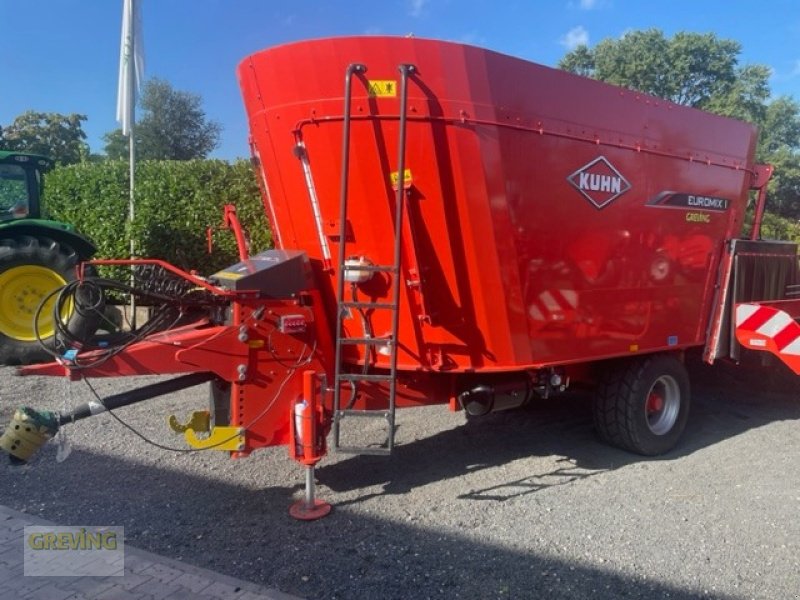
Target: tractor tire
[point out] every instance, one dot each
(642, 405)
(30, 269)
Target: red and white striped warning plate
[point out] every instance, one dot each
(554, 305)
(766, 328)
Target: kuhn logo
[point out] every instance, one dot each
(599, 182)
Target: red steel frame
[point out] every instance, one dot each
(264, 366)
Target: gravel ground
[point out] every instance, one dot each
(523, 504)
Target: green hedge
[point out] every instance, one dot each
(774, 227)
(175, 203)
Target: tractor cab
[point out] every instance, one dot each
(21, 184)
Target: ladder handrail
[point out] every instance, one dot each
(405, 70)
(351, 70)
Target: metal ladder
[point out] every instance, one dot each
(344, 307)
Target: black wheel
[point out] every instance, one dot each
(642, 405)
(30, 269)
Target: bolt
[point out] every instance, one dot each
(242, 371)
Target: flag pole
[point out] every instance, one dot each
(131, 66)
(132, 166)
(130, 104)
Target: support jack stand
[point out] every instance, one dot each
(309, 508)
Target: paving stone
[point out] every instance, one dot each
(49, 592)
(157, 590)
(162, 573)
(61, 582)
(89, 586)
(254, 596)
(222, 590)
(147, 576)
(131, 580)
(135, 563)
(21, 586)
(15, 526)
(187, 594)
(117, 593)
(195, 583)
(11, 554)
(10, 572)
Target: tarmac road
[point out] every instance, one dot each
(522, 504)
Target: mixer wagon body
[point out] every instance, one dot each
(551, 219)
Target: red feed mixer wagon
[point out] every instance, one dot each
(456, 226)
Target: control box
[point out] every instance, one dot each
(273, 273)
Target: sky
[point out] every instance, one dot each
(63, 56)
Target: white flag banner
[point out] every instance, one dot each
(131, 55)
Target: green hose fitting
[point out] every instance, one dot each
(28, 431)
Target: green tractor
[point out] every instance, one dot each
(37, 256)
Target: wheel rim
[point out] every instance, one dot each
(21, 290)
(663, 404)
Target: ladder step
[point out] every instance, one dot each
(360, 377)
(368, 305)
(372, 268)
(374, 451)
(369, 340)
(384, 449)
(369, 414)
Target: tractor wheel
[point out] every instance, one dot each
(30, 269)
(642, 405)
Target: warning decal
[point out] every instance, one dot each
(408, 178)
(382, 88)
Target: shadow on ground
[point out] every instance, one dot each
(727, 401)
(247, 534)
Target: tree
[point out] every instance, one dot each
(117, 144)
(690, 68)
(702, 71)
(59, 136)
(173, 126)
(781, 125)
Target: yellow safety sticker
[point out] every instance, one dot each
(229, 275)
(382, 88)
(408, 178)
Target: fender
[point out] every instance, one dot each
(60, 232)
